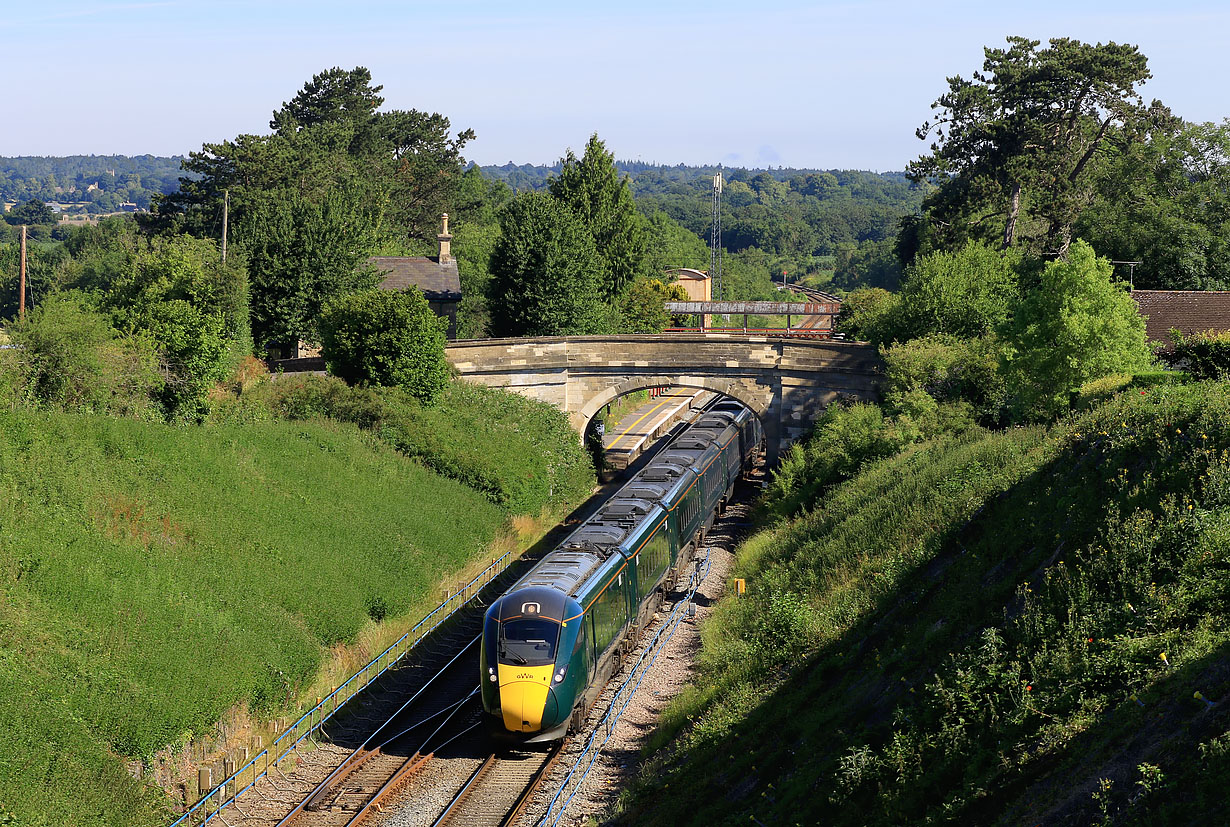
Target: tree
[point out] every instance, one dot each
(1077, 326)
(546, 275)
(672, 245)
(384, 337)
(312, 200)
(31, 212)
(968, 293)
(333, 95)
(643, 307)
(1165, 203)
(866, 264)
(301, 255)
(592, 188)
(1015, 147)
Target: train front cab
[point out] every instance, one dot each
(535, 659)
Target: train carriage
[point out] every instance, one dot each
(551, 642)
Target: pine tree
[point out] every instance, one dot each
(592, 188)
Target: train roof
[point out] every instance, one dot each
(594, 543)
(562, 569)
(662, 471)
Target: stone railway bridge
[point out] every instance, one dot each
(787, 382)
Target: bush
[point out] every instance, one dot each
(67, 356)
(1203, 355)
(843, 439)
(194, 354)
(967, 293)
(1077, 326)
(388, 338)
(950, 370)
(867, 315)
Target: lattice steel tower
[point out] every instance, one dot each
(715, 241)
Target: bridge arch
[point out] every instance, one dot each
(581, 418)
(787, 382)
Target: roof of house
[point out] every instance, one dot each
(439, 282)
(688, 273)
(1191, 311)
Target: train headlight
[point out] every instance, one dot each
(559, 676)
(491, 674)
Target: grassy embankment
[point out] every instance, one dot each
(157, 577)
(992, 628)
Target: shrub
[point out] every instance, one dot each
(967, 293)
(1203, 355)
(389, 338)
(868, 315)
(844, 438)
(1075, 327)
(67, 356)
(950, 370)
(193, 353)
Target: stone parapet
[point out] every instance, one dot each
(787, 382)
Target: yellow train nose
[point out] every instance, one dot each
(523, 696)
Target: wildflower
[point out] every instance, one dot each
(1029, 687)
(1178, 430)
(1090, 640)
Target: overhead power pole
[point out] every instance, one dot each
(21, 284)
(226, 208)
(715, 241)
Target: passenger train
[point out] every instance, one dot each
(553, 640)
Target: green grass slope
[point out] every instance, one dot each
(151, 577)
(996, 628)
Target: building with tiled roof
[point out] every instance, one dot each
(1190, 311)
(435, 277)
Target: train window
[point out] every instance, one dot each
(528, 641)
(652, 562)
(610, 613)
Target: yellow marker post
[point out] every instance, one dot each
(740, 586)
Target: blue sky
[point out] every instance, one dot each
(822, 84)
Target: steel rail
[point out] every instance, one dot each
(365, 751)
(487, 772)
(273, 755)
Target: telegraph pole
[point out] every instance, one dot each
(715, 239)
(21, 284)
(226, 208)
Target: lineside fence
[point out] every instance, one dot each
(269, 761)
(601, 733)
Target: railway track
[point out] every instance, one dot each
(445, 708)
(821, 324)
(498, 790)
(412, 743)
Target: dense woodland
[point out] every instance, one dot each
(1019, 390)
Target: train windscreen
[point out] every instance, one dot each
(528, 641)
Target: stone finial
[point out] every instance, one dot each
(445, 239)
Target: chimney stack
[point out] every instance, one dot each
(446, 243)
